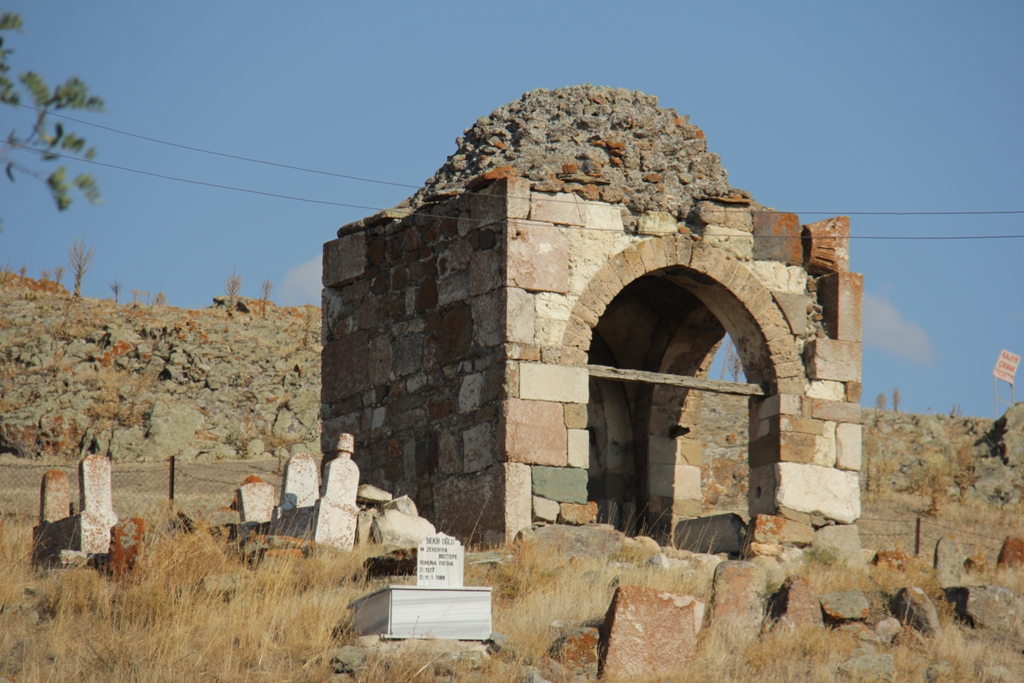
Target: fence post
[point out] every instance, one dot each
(170, 492)
(917, 538)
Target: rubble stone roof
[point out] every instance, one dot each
(608, 144)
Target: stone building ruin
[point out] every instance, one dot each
(534, 327)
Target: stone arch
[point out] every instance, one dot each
(662, 484)
(726, 286)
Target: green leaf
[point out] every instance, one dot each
(37, 87)
(9, 21)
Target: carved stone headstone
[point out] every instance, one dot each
(255, 501)
(300, 485)
(440, 562)
(54, 497)
(98, 514)
(336, 512)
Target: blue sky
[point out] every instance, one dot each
(813, 107)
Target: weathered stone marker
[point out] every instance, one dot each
(301, 485)
(97, 504)
(335, 513)
(255, 500)
(54, 497)
(440, 562)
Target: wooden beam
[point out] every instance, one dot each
(699, 383)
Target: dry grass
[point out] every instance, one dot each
(177, 619)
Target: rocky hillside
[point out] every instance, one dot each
(239, 379)
(234, 381)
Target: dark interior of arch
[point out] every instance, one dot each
(658, 323)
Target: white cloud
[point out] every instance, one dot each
(302, 284)
(886, 328)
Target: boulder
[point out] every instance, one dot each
(577, 541)
(737, 598)
(841, 540)
(649, 632)
(403, 504)
(991, 607)
(399, 529)
(795, 604)
(914, 609)
(371, 495)
(577, 651)
(1012, 552)
(844, 606)
(869, 667)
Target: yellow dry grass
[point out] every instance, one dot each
(177, 618)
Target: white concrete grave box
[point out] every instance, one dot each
(438, 606)
(402, 612)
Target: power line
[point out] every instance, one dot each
(377, 208)
(221, 154)
(416, 187)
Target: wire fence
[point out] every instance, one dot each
(140, 489)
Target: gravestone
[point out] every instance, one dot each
(438, 606)
(255, 501)
(299, 491)
(440, 561)
(98, 514)
(54, 497)
(335, 513)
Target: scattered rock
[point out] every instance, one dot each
(347, 660)
(795, 604)
(577, 651)
(887, 629)
(840, 540)
(1012, 552)
(913, 608)
(846, 606)
(404, 504)
(737, 599)
(396, 528)
(649, 632)
(992, 607)
(869, 667)
(371, 495)
(893, 559)
(577, 541)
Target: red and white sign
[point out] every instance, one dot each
(1006, 366)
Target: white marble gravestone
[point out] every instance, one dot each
(438, 606)
(440, 561)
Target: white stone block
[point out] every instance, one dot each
(520, 315)
(561, 383)
(470, 392)
(301, 484)
(825, 446)
(736, 242)
(848, 447)
(779, 404)
(579, 448)
(687, 482)
(657, 223)
(779, 276)
(825, 491)
(825, 389)
(563, 208)
(545, 510)
(601, 216)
